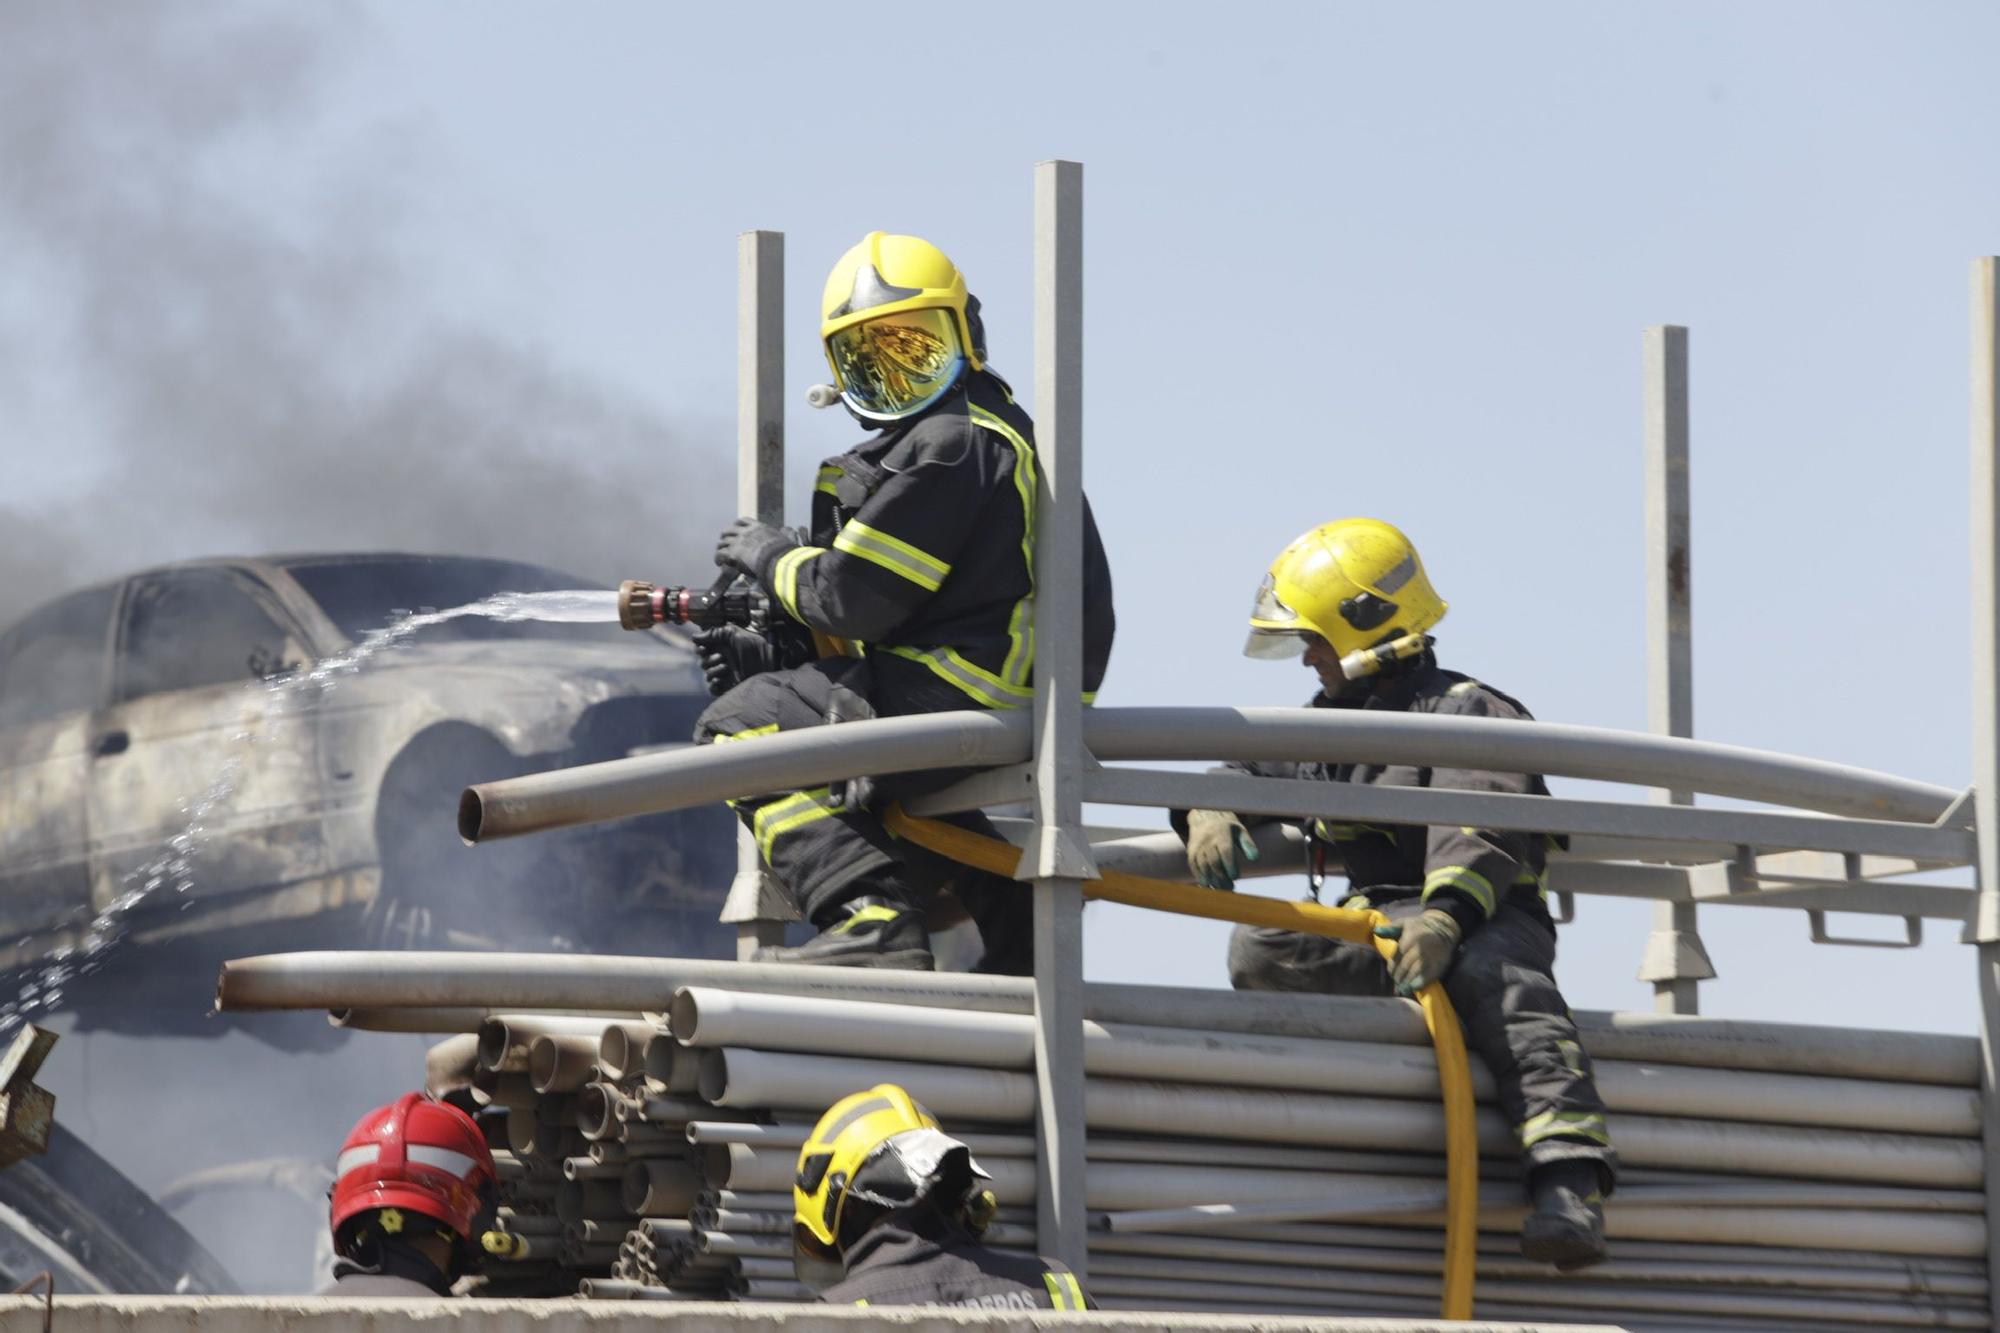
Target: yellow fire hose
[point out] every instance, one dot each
(1339, 923)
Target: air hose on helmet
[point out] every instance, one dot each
(1339, 923)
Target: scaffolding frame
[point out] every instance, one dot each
(1847, 843)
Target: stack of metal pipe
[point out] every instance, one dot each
(1262, 1153)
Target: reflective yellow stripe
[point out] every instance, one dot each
(974, 680)
(785, 576)
(893, 554)
(764, 730)
(829, 481)
(862, 916)
(1460, 877)
(1020, 659)
(780, 817)
(1555, 1124)
(1064, 1291)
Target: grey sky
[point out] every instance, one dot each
(1341, 259)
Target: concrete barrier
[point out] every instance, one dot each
(306, 1314)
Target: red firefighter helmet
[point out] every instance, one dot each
(418, 1154)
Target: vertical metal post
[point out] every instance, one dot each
(1986, 717)
(758, 905)
(1058, 856)
(1675, 961)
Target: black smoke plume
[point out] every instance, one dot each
(224, 374)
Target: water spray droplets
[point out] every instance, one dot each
(175, 866)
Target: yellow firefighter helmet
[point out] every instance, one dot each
(1355, 582)
(883, 1150)
(898, 326)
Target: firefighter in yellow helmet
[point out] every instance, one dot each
(918, 569)
(1469, 905)
(888, 1209)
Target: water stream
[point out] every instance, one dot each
(172, 870)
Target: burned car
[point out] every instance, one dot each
(199, 753)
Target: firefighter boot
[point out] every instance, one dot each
(863, 932)
(1566, 1227)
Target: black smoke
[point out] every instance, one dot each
(223, 371)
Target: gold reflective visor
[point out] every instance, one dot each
(898, 364)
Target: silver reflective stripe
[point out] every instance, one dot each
(854, 1113)
(353, 1157)
(1398, 576)
(444, 1159)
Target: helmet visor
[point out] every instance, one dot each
(1276, 631)
(898, 364)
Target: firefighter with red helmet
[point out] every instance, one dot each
(413, 1189)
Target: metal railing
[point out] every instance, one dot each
(1839, 839)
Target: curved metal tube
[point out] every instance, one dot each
(676, 779)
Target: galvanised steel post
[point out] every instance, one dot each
(1986, 715)
(1675, 961)
(1058, 853)
(757, 905)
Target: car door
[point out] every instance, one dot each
(206, 767)
(53, 668)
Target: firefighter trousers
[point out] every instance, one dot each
(1513, 1015)
(826, 844)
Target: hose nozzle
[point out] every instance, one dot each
(636, 605)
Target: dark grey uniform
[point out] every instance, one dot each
(924, 1259)
(921, 560)
(1493, 883)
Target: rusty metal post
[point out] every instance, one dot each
(757, 905)
(1675, 961)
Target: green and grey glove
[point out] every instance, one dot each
(1217, 845)
(1425, 952)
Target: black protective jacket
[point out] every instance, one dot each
(398, 1271)
(921, 553)
(1466, 871)
(918, 1257)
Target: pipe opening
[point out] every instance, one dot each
(471, 815)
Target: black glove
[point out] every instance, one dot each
(730, 655)
(749, 547)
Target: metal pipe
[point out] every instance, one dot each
(331, 979)
(677, 779)
(621, 1050)
(450, 1064)
(493, 1088)
(597, 1110)
(581, 1199)
(772, 1079)
(1716, 1266)
(562, 1063)
(650, 783)
(708, 1017)
(657, 1186)
(505, 1040)
(1194, 1277)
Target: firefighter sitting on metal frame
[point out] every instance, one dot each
(889, 1210)
(917, 579)
(1469, 905)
